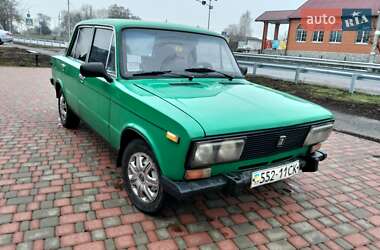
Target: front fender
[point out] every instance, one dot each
(148, 138)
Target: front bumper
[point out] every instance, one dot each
(232, 182)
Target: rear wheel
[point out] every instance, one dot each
(1, 42)
(142, 177)
(68, 118)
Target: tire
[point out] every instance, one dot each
(1, 42)
(142, 178)
(67, 117)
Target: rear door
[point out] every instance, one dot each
(94, 101)
(76, 56)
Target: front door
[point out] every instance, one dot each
(77, 55)
(94, 101)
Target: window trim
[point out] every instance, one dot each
(361, 41)
(120, 54)
(319, 34)
(72, 43)
(77, 29)
(113, 40)
(109, 46)
(300, 28)
(341, 37)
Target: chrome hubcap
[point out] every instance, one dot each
(62, 108)
(143, 177)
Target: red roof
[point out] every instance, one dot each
(279, 16)
(338, 4)
(283, 16)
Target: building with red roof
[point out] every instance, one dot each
(321, 41)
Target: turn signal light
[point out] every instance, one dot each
(172, 137)
(316, 147)
(198, 174)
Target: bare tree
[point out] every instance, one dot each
(87, 11)
(118, 11)
(239, 32)
(232, 30)
(75, 17)
(245, 24)
(9, 14)
(43, 27)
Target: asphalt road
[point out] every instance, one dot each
(357, 125)
(363, 85)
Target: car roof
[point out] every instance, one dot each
(120, 24)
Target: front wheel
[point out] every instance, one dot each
(68, 118)
(142, 177)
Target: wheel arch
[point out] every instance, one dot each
(58, 86)
(131, 133)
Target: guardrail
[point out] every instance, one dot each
(308, 61)
(303, 69)
(40, 42)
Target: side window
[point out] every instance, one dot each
(101, 46)
(111, 58)
(82, 45)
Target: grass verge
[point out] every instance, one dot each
(10, 56)
(332, 98)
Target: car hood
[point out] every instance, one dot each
(223, 107)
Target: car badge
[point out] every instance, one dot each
(281, 141)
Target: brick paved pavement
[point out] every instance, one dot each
(60, 188)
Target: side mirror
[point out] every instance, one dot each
(95, 69)
(243, 70)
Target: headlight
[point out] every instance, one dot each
(318, 134)
(207, 153)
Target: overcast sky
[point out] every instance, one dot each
(188, 12)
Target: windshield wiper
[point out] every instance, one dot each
(208, 70)
(164, 72)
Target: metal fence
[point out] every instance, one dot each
(357, 70)
(40, 42)
(308, 61)
(304, 65)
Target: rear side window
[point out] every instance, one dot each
(82, 45)
(101, 46)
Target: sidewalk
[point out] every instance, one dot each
(60, 189)
(357, 125)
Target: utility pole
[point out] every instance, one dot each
(59, 24)
(210, 7)
(375, 40)
(68, 18)
(209, 14)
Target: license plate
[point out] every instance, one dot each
(270, 175)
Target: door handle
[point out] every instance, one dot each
(81, 78)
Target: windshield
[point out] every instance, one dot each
(146, 50)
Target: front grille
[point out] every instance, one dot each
(265, 143)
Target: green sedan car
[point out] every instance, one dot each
(175, 104)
